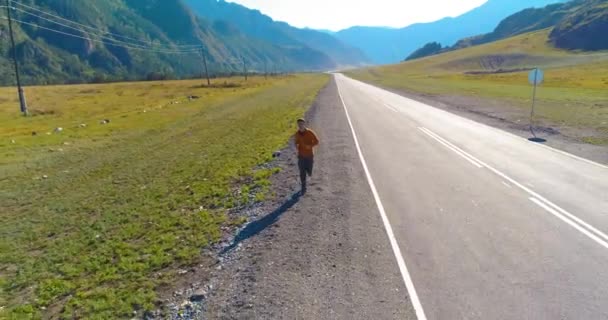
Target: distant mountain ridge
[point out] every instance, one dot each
(257, 25)
(577, 25)
(111, 40)
(386, 45)
(527, 20)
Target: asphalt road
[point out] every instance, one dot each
(321, 256)
(482, 224)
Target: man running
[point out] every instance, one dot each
(306, 140)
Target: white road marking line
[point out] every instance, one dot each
(409, 284)
(506, 184)
(471, 160)
(540, 145)
(569, 155)
(577, 219)
(452, 146)
(574, 218)
(447, 142)
(570, 222)
(390, 107)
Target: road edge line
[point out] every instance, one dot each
(570, 222)
(563, 211)
(409, 284)
(549, 148)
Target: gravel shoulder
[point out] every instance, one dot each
(501, 115)
(322, 256)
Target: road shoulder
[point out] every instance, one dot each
(322, 256)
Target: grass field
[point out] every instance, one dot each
(575, 93)
(96, 217)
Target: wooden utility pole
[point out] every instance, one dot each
(22, 102)
(244, 67)
(205, 65)
(265, 69)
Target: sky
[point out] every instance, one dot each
(340, 14)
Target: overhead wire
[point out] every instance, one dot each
(90, 36)
(103, 42)
(98, 35)
(147, 42)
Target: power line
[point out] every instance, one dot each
(147, 42)
(186, 49)
(90, 34)
(230, 61)
(106, 43)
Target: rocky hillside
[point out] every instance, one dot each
(428, 49)
(67, 41)
(387, 45)
(578, 24)
(257, 25)
(584, 27)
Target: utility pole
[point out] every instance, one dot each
(22, 102)
(265, 69)
(205, 64)
(244, 67)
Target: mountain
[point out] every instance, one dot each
(326, 31)
(104, 40)
(574, 25)
(257, 25)
(387, 45)
(429, 49)
(584, 27)
(527, 20)
(578, 24)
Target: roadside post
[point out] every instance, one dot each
(535, 77)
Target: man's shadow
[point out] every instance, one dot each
(255, 227)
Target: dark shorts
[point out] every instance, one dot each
(305, 165)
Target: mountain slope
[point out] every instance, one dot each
(491, 81)
(578, 25)
(132, 39)
(428, 49)
(584, 27)
(385, 45)
(257, 25)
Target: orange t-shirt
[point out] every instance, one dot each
(305, 142)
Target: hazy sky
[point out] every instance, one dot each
(339, 14)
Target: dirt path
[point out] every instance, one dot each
(323, 256)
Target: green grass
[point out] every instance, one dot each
(575, 93)
(120, 208)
